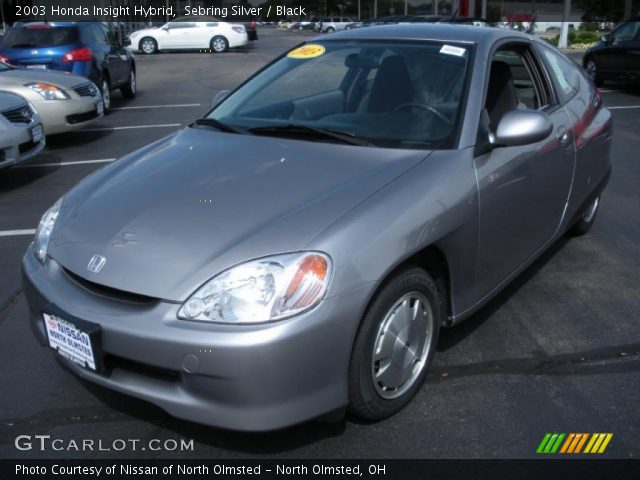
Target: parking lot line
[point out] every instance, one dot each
(177, 105)
(622, 107)
(63, 164)
(14, 233)
(130, 127)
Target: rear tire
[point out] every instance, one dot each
(394, 345)
(330, 30)
(148, 46)
(586, 221)
(130, 89)
(219, 44)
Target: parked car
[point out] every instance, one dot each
(87, 49)
(617, 56)
(400, 186)
(332, 24)
(21, 134)
(189, 33)
(64, 102)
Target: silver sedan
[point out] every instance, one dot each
(297, 251)
(64, 102)
(21, 133)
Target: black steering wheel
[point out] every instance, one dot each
(424, 106)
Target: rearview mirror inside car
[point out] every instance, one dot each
(218, 97)
(522, 127)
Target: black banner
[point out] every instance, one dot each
(321, 469)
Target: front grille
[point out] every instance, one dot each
(86, 90)
(22, 114)
(81, 117)
(114, 362)
(108, 292)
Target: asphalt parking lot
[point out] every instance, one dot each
(557, 351)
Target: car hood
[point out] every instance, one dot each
(171, 216)
(9, 101)
(21, 76)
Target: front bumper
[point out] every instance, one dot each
(241, 377)
(60, 116)
(16, 145)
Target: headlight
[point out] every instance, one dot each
(43, 233)
(270, 288)
(48, 91)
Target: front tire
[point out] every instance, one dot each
(591, 67)
(330, 30)
(588, 218)
(130, 89)
(394, 345)
(148, 46)
(219, 44)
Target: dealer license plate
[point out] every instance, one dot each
(36, 134)
(72, 342)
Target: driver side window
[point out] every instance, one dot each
(626, 32)
(176, 25)
(512, 84)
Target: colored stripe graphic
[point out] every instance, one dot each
(553, 443)
(550, 443)
(598, 443)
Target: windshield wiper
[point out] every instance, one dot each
(311, 132)
(223, 127)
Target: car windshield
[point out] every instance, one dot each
(40, 36)
(389, 94)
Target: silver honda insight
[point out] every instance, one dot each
(297, 250)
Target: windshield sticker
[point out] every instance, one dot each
(307, 51)
(451, 50)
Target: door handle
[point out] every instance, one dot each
(562, 135)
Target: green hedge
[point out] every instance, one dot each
(576, 37)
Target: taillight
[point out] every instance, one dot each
(597, 99)
(4, 59)
(238, 29)
(78, 55)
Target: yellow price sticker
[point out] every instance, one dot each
(307, 51)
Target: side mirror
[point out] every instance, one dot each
(165, 27)
(604, 38)
(218, 97)
(522, 127)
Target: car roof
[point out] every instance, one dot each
(428, 31)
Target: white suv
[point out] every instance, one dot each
(332, 24)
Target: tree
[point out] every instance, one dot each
(602, 10)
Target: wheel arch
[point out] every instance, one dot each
(432, 260)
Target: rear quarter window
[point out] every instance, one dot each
(39, 37)
(563, 73)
